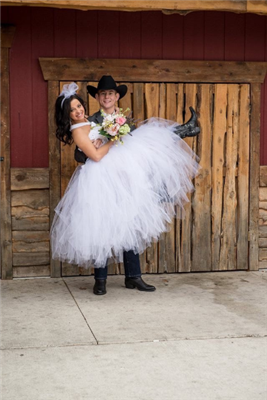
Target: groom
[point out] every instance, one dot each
(107, 94)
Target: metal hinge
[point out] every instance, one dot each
(1, 158)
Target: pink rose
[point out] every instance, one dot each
(120, 120)
(113, 130)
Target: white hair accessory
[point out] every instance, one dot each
(68, 90)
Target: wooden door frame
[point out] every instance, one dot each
(6, 269)
(123, 70)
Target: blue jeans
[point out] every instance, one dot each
(131, 266)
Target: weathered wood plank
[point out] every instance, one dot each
(171, 114)
(124, 103)
(29, 178)
(257, 7)
(262, 254)
(21, 259)
(180, 111)
(186, 238)
(7, 35)
(54, 165)
(254, 176)
(139, 115)
(263, 264)
(162, 266)
(228, 242)
(75, 270)
(218, 160)
(28, 212)
(263, 242)
(168, 6)
(263, 176)
(93, 105)
(30, 241)
(30, 223)
(152, 110)
(35, 199)
(32, 271)
(243, 179)
(201, 233)
(5, 231)
(263, 194)
(64, 69)
(263, 231)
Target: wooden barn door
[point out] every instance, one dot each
(213, 236)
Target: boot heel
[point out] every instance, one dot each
(129, 285)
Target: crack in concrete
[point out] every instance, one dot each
(81, 312)
(255, 336)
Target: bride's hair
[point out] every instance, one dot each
(62, 117)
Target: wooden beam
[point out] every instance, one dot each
(254, 177)
(68, 69)
(166, 6)
(54, 165)
(257, 7)
(7, 34)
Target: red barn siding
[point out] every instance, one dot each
(47, 32)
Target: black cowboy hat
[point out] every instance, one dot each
(107, 83)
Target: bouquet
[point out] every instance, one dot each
(116, 125)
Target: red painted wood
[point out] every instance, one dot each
(65, 33)
(22, 110)
(108, 35)
(172, 37)
(214, 36)
(151, 39)
(4, 15)
(255, 37)
(86, 42)
(193, 42)
(130, 35)
(42, 45)
(70, 33)
(234, 37)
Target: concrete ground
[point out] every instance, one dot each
(197, 337)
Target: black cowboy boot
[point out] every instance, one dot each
(100, 287)
(138, 283)
(190, 128)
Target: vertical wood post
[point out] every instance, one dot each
(254, 176)
(54, 164)
(7, 34)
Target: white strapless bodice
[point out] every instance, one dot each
(94, 131)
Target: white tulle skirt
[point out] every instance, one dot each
(126, 200)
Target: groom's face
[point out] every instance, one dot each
(107, 100)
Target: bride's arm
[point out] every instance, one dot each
(82, 140)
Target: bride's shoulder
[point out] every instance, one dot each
(82, 126)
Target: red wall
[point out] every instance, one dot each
(47, 32)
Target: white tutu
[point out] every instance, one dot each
(126, 200)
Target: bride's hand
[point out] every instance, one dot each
(97, 143)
